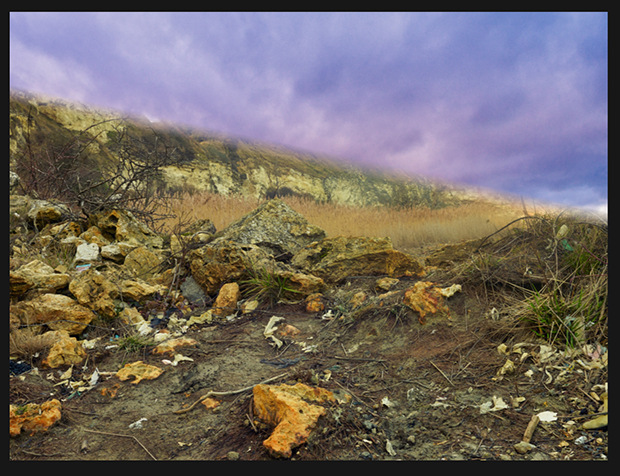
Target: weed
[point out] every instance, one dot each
(133, 342)
(264, 285)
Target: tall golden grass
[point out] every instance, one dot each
(408, 228)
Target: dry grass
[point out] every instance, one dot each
(408, 228)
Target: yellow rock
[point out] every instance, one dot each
(32, 417)
(140, 371)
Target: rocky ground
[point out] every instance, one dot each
(432, 377)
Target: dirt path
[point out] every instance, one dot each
(417, 391)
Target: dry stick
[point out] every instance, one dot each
(444, 375)
(232, 392)
(531, 426)
(123, 436)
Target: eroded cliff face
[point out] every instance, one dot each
(214, 163)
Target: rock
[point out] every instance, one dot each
(450, 254)
(217, 263)
(192, 291)
(63, 230)
(43, 212)
(274, 226)
(226, 301)
(38, 276)
(66, 351)
(286, 407)
(314, 303)
(424, 297)
(86, 253)
(94, 235)
(522, 447)
(93, 290)
(32, 417)
(56, 311)
(232, 456)
(170, 345)
(385, 284)
(301, 283)
(142, 263)
(116, 252)
(122, 225)
(334, 259)
(14, 182)
(140, 371)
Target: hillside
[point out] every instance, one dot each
(209, 161)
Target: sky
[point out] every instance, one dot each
(511, 102)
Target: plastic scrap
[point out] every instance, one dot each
(270, 328)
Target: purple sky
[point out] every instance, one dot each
(515, 102)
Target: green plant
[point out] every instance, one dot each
(133, 342)
(264, 285)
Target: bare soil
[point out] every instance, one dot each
(416, 390)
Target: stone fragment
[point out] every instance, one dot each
(170, 345)
(87, 253)
(33, 418)
(287, 408)
(226, 301)
(314, 303)
(425, 297)
(94, 235)
(140, 371)
(385, 284)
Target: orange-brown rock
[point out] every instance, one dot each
(140, 371)
(226, 301)
(171, 344)
(38, 276)
(314, 303)
(32, 417)
(425, 297)
(66, 351)
(287, 408)
(93, 290)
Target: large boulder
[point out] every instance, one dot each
(334, 259)
(56, 311)
(37, 276)
(274, 226)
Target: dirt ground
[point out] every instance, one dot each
(416, 388)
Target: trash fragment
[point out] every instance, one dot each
(496, 404)
(389, 448)
(270, 328)
(547, 416)
(600, 421)
(137, 425)
(581, 440)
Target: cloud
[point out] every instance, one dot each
(514, 100)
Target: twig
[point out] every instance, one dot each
(441, 372)
(359, 359)
(232, 392)
(531, 426)
(123, 436)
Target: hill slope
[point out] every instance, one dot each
(208, 161)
